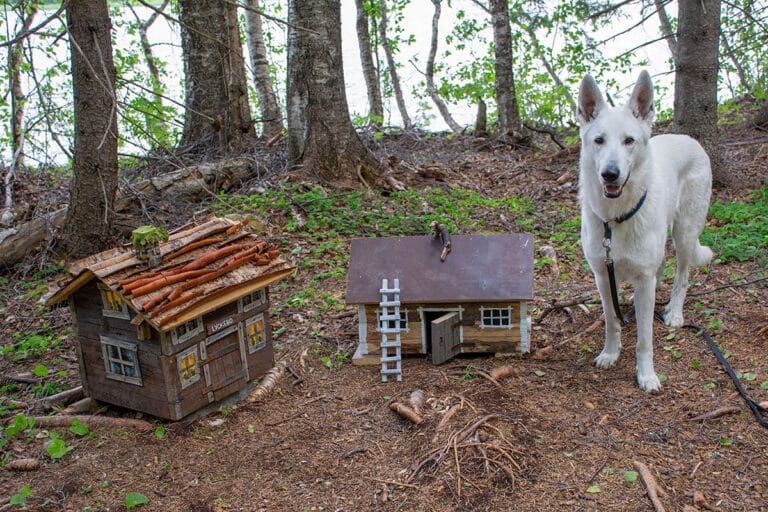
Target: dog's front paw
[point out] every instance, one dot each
(606, 359)
(648, 382)
(673, 318)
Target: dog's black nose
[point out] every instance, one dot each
(610, 173)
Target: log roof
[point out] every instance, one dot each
(479, 268)
(205, 265)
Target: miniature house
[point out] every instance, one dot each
(190, 331)
(474, 301)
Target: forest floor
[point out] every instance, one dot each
(557, 434)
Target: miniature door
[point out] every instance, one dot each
(223, 363)
(445, 337)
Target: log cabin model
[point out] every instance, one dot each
(172, 338)
(469, 297)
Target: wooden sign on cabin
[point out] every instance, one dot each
(171, 339)
(474, 301)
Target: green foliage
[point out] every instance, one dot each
(742, 230)
(78, 428)
(135, 499)
(147, 236)
(20, 498)
(56, 447)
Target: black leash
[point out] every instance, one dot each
(756, 408)
(607, 234)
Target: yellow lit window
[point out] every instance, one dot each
(113, 304)
(255, 333)
(188, 369)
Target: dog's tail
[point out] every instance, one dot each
(702, 256)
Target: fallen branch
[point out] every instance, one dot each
(65, 420)
(654, 491)
(722, 411)
(406, 412)
(502, 372)
(390, 482)
(63, 398)
(23, 465)
(267, 384)
(586, 298)
(444, 421)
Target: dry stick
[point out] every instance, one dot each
(444, 421)
(406, 412)
(722, 411)
(164, 281)
(63, 398)
(650, 484)
(207, 259)
(267, 384)
(301, 411)
(488, 377)
(65, 420)
(194, 245)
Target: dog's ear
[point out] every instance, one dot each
(590, 100)
(641, 101)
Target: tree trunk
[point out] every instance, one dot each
(696, 66)
(393, 77)
(506, 98)
(27, 12)
(430, 74)
(271, 117)
(321, 137)
(217, 116)
(376, 109)
(87, 228)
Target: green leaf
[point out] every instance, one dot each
(41, 371)
(593, 489)
(662, 377)
(749, 376)
(764, 385)
(539, 373)
(78, 428)
(20, 498)
(160, 432)
(630, 476)
(134, 499)
(18, 424)
(57, 448)
(696, 365)
(726, 441)
(709, 385)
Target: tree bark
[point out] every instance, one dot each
(506, 98)
(87, 228)
(376, 109)
(217, 116)
(27, 12)
(271, 116)
(392, 67)
(321, 138)
(696, 67)
(430, 73)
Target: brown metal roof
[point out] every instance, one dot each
(480, 268)
(205, 265)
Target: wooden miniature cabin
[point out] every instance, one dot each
(474, 301)
(174, 338)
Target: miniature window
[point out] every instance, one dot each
(187, 331)
(189, 373)
(496, 317)
(391, 324)
(254, 331)
(253, 300)
(121, 360)
(113, 304)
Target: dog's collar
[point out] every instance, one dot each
(625, 217)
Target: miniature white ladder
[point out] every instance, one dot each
(390, 363)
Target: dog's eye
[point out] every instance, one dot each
(628, 141)
(599, 141)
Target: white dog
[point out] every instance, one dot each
(638, 187)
